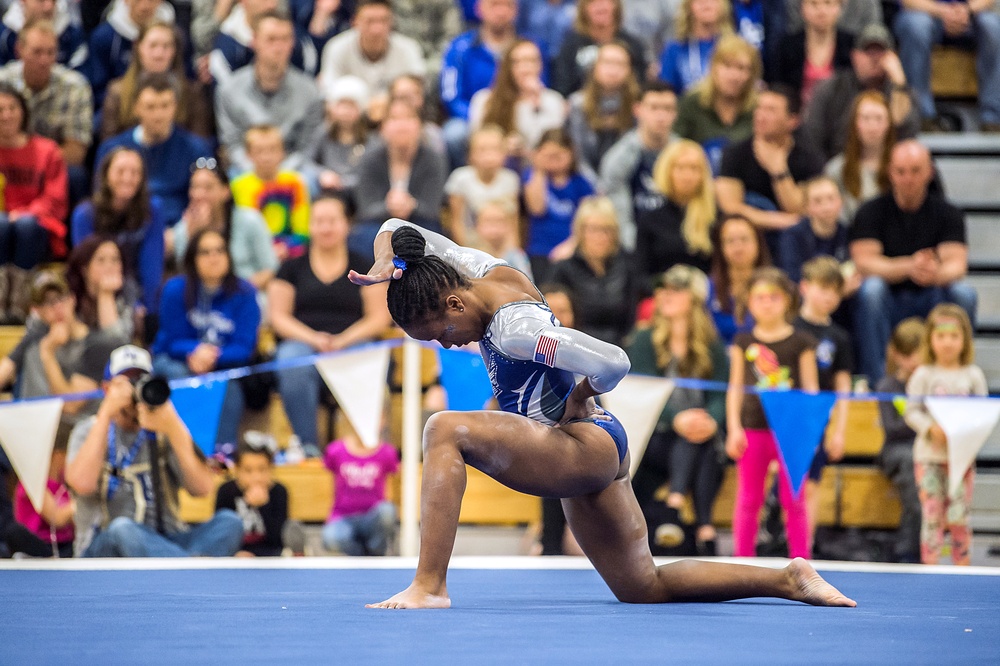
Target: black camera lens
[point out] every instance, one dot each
(152, 390)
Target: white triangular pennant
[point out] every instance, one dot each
(637, 402)
(357, 381)
(968, 422)
(27, 433)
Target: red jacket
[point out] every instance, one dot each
(36, 182)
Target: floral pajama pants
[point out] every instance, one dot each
(943, 511)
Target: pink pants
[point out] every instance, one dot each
(751, 473)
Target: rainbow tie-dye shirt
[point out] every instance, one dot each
(284, 203)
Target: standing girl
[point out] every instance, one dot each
(947, 370)
(772, 355)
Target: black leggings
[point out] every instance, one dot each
(21, 540)
(688, 467)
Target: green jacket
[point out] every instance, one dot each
(643, 357)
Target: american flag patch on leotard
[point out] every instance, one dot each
(545, 350)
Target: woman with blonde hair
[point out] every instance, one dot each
(599, 274)
(157, 50)
(598, 22)
(862, 170)
(601, 113)
(700, 24)
(686, 446)
(719, 109)
(679, 230)
(518, 102)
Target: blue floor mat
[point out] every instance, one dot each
(499, 616)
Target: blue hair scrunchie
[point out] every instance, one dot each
(399, 263)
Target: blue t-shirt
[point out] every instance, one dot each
(554, 226)
(725, 321)
(750, 21)
(682, 64)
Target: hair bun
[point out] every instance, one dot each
(408, 244)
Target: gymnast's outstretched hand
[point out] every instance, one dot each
(381, 271)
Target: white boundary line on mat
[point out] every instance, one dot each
(466, 562)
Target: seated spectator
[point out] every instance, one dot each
(112, 458)
(470, 65)
(314, 308)
(269, 92)
(166, 149)
(685, 447)
(111, 42)
(626, 174)
(49, 532)
(819, 233)
(485, 179)
(519, 103)
(362, 521)
(718, 109)
(700, 24)
(855, 15)
(280, 195)
(811, 55)
(679, 231)
(123, 210)
(920, 24)
(206, 17)
(259, 500)
(432, 24)
(208, 321)
(104, 301)
(599, 274)
(652, 23)
(547, 22)
(71, 51)
(234, 46)
(157, 51)
(874, 66)
(903, 355)
(211, 207)
(341, 142)
(760, 178)
(399, 178)
(321, 21)
(598, 22)
(497, 232)
(371, 50)
(601, 113)
(910, 246)
(862, 170)
(58, 354)
(58, 99)
(32, 227)
(739, 249)
(552, 191)
(411, 89)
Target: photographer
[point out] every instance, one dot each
(124, 509)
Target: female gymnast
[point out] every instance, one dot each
(550, 439)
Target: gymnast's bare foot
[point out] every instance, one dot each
(809, 587)
(415, 597)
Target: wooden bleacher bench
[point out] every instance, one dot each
(953, 72)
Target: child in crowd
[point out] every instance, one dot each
(772, 355)
(820, 232)
(48, 533)
(552, 191)
(280, 195)
(259, 500)
(485, 179)
(821, 287)
(903, 355)
(497, 231)
(947, 369)
(340, 144)
(363, 521)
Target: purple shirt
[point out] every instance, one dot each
(359, 481)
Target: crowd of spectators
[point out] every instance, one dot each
(212, 175)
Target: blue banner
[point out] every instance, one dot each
(464, 378)
(798, 421)
(200, 406)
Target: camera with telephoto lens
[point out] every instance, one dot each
(151, 390)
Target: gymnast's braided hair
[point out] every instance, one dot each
(418, 295)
